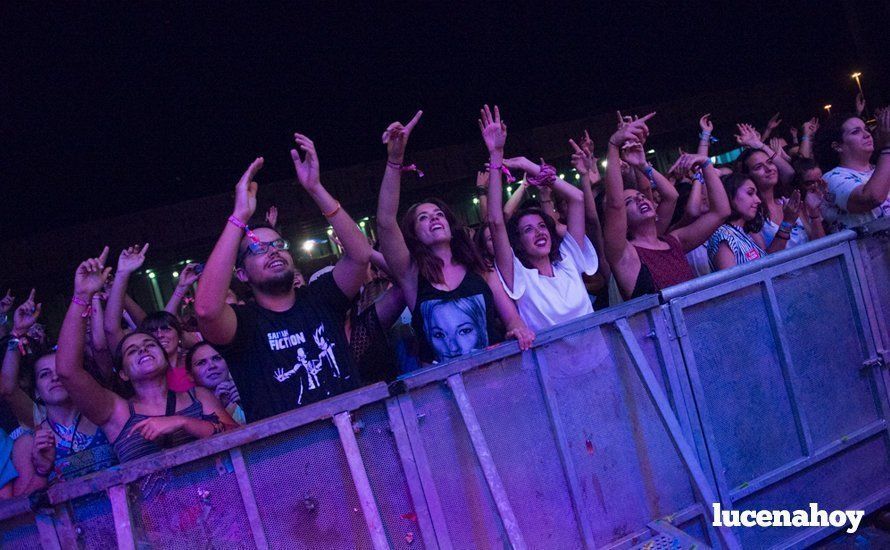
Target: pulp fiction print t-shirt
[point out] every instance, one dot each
(283, 360)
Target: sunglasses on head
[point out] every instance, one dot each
(258, 248)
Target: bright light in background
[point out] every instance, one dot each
(151, 275)
(175, 274)
(475, 200)
(510, 190)
(361, 223)
(604, 163)
(562, 176)
(650, 152)
(577, 176)
(308, 245)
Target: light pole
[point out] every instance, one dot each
(828, 108)
(855, 76)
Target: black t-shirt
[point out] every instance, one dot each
(281, 361)
(451, 323)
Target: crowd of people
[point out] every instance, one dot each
(120, 383)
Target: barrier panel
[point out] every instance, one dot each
(757, 387)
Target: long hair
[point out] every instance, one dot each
(831, 131)
(515, 237)
(118, 356)
(160, 319)
(482, 246)
(732, 183)
(463, 251)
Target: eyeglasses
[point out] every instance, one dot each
(259, 248)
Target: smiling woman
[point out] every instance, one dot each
(156, 417)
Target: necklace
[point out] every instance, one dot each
(78, 440)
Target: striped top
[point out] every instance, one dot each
(740, 244)
(132, 446)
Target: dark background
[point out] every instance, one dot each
(112, 108)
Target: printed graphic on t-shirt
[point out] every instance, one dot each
(455, 327)
(313, 374)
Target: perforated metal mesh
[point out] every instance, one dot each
(628, 470)
(661, 542)
(196, 505)
(93, 521)
(749, 410)
(826, 347)
(304, 490)
(508, 402)
(875, 251)
(469, 510)
(19, 533)
(381, 458)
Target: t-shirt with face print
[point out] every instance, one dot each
(283, 360)
(452, 323)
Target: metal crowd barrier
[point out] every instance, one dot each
(758, 388)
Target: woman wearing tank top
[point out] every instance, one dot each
(156, 417)
(644, 262)
(452, 296)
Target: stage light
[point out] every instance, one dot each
(175, 274)
(308, 245)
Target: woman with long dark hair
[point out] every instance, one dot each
(452, 295)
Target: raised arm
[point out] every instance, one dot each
(352, 268)
(635, 155)
(877, 188)
(100, 405)
(701, 229)
(749, 137)
(704, 138)
(494, 134)
(584, 161)
(771, 126)
(22, 407)
(392, 242)
(187, 278)
(216, 319)
(810, 128)
(790, 213)
(482, 194)
(513, 202)
(130, 260)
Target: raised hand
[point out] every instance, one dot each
(25, 316)
(634, 154)
(396, 138)
(810, 127)
(494, 130)
(188, 276)
(813, 202)
(860, 103)
(43, 452)
(482, 180)
(688, 162)
(6, 302)
(245, 192)
(748, 136)
(583, 159)
(131, 259)
(773, 122)
(705, 123)
(227, 393)
(882, 130)
(308, 171)
(791, 209)
(776, 145)
(272, 216)
(631, 130)
(91, 275)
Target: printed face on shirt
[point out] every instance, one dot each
(856, 137)
(47, 384)
(271, 272)
(762, 170)
(639, 208)
(746, 202)
(430, 224)
(534, 236)
(209, 369)
(455, 327)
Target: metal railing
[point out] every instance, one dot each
(757, 388)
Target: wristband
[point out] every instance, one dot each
(804, 138)
(503, 169)
(785, 226)
(409, 168)
(243, 226)
(546, 177)
(650, 174)
(332, 212)
(180, 291)
(706, 163)
(81, 302)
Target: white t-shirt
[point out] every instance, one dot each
(698, 260)
(841, 184)
(545, 301)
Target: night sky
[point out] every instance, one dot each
(109, 108)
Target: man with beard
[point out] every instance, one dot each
(262, 340)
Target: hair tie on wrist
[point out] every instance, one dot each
(332, 212)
